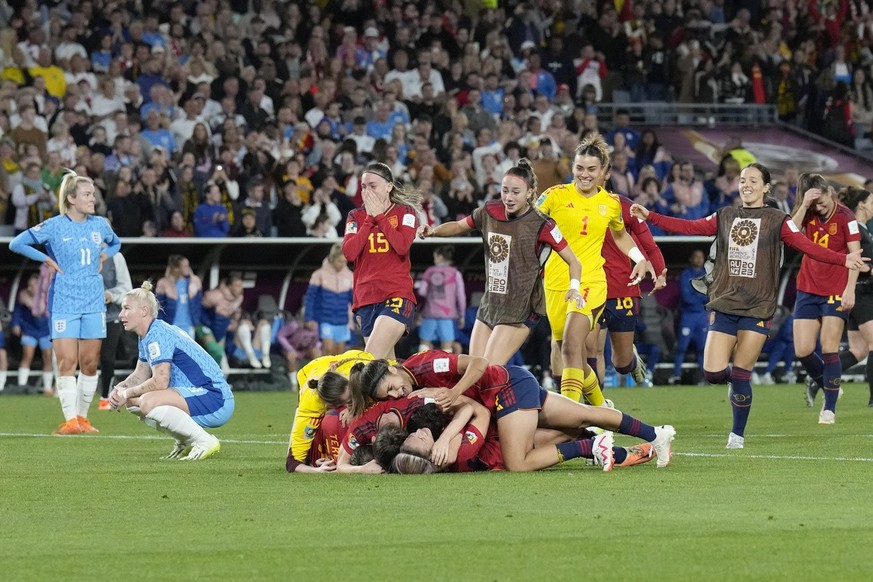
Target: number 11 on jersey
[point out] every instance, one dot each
(85, 256)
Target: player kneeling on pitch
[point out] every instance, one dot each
(176, 388)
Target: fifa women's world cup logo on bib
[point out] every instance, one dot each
(498, 262)
(743, 247)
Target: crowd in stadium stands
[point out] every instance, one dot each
(255, 118)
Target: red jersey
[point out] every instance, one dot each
(363, 430)
(328, 437)
(618, 265)
(835, 233)
(436, 368)
(479, 453)
(378, 247)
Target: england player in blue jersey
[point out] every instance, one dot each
(176, 387)
(76, 244)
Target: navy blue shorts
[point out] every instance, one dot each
(731, 324)
(399, 308)
(620, 314)
(522, 393)
(809, 306)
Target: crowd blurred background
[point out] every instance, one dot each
(254, 117)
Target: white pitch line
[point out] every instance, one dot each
(773, 457)
(134, 437)
(260, 442)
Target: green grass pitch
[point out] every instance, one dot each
(795, 504)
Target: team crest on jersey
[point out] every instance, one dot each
(832, 229)
(602, 209)
(95, 237)
(471, 437)
(60, 325)
(154, 350)
(392, 220)
(441, 365)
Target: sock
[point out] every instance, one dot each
(620, 454)
(814, 366)
(264, 336)
(86, 386)
(214, 349)
(832, 377)
(69, 395)
(23, 376)
(869, 368)
(591, 390)
(178, 424)
(3, 380)
(635, 427)
(629, 368)
(741, 399)
(847, 360)
(592, 363)
(574, 450)
(47, 379)
(572, 383)
(244, 336)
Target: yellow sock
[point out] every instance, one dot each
(572, 385)
(591, 390)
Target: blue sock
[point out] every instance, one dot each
(575, 449)
(620, 454)
(814, 366)
(741, 399)
(833, 372)
(635, 427)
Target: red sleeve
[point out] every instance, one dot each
(471, 441)
(357, 231)
(640, 231)
(399, 238)
(551, 235)
(798, 242)
(582, 66)
(469, 221)
(704, 226)
(291, 463)
(602, 71)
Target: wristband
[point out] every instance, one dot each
(636, 255)
(574, 284)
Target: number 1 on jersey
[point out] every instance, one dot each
(584, 231)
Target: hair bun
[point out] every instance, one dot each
(146, 285)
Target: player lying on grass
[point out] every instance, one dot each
(416, 449)
(318, 428)
(176, 387)
(514, 398)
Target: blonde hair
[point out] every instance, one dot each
(68, 187)
(144, 296)
(336, 251)
(593, 144)
(399, 194)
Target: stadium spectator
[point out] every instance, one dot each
(211, 217)
(328, 302)
(30, 322)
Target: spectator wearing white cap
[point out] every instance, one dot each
(374, 48)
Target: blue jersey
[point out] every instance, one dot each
(182, 315)
(190, 365)
(75, 247)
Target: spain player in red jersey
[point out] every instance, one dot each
(825, 293)
(364, 428)
(377, 241)
(622, 308)
(518, 239)
(742, 296)
(518, 404)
